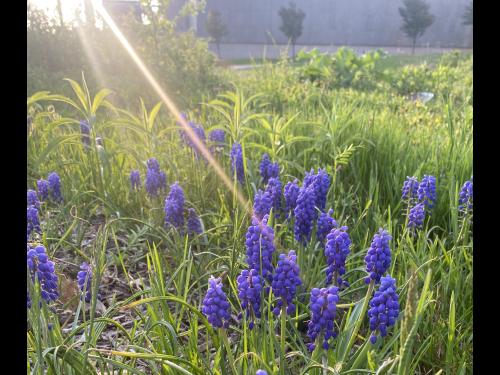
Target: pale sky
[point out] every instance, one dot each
(68, 7)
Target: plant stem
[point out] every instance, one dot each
(283, 326)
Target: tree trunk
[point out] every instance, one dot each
(293, 50)
(218, 48)
(414, 43)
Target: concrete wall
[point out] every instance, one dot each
(334, 22)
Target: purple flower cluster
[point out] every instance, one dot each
(305, 215)
(427, 191)
(291, 193)
(409, 190)
(193, 222)
(84, 280)
(323, 307)
(155, 178)
(42, 268)
(286, 279)
(320, 183)
(465, 197)
(32, 199)
(384, 308)
(198, 131)
(262, 203)
(174, 207)
(215, 304)
(325, 224)
(33, 222)
(55, 187)
(261, 372)
(249, 291)
(416, 217)
(274, 189)
(217, 137)
(260, 247)
(378, 258)
(336, 252)
(135, 180)
(268, 169)
(43, 189)
(237, 162)
(85, 130)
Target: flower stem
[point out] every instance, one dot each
(283, 326)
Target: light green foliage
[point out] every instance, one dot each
(367, 136)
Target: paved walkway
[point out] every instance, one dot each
(257, 51)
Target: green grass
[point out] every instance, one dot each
(153, 279)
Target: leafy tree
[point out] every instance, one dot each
(215, 28)
(291, 23)
(467, 16)
(416, 18)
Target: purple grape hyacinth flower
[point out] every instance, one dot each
(43, 189)
(174, 207)
(199, 132)
(416, 217)
(337, 249)
(33, 221)
(260, 247)
(84, 280)
(465, 198)
(427, 191)
(262, 203)
(325, 224)
(135, 180)
(237, 165)
(291, 193)
(409, 190)
(249, 292)
(215, 304)
(323, 306)
(217, 137)
(193, 222)
(85, 130)
(320, 182)
(42, 268)
(384, 308)
(268, 169)
(155, 179)
(55, 187)
(305, 215)
(261, 372)
(274, 189)
(378, 258)
(286, 279)
(32, 199)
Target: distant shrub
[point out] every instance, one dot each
(412, 79)
(342, 69)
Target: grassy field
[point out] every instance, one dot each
(144, 313)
